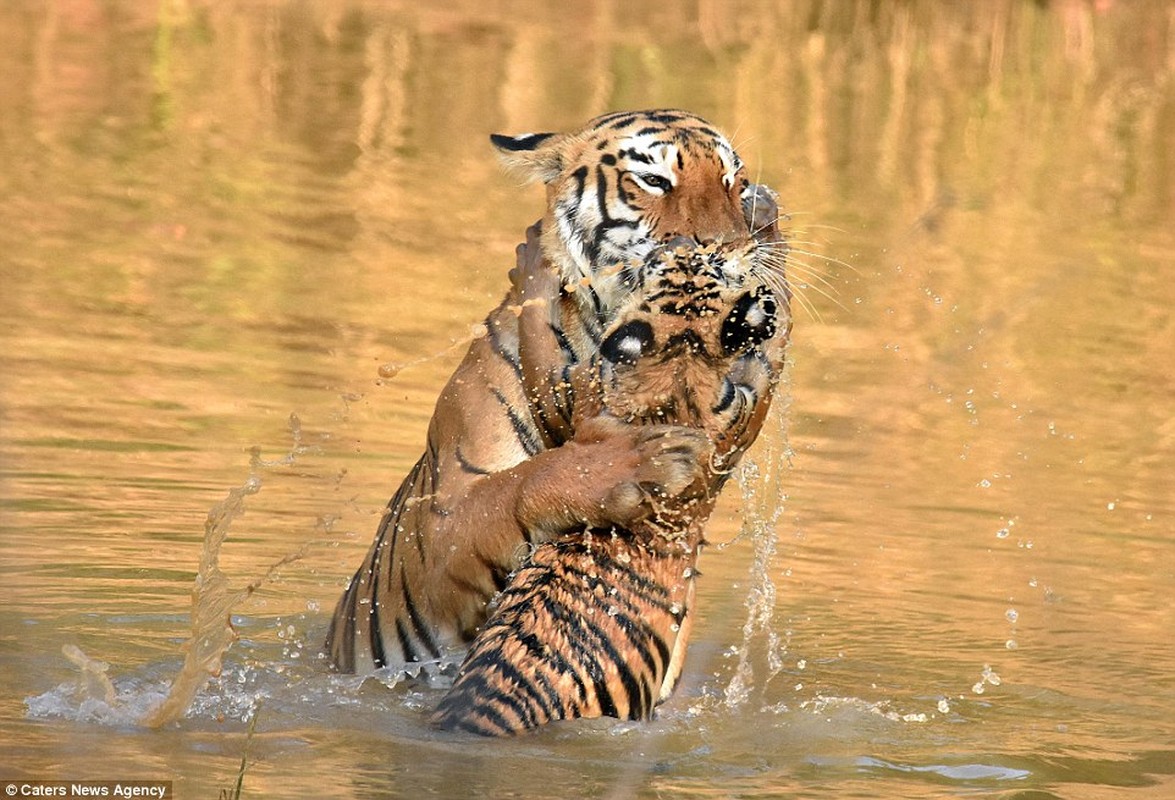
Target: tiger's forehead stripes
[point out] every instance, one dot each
(655, 156)
(662, 151)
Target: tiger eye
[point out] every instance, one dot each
(752, 321)
(628, 342)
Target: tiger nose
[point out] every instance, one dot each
(715, 220)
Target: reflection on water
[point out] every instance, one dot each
(217, 214)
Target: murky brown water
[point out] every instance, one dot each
(216, 215)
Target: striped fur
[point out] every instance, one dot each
(492, 480)
(588, 627)
(596, 622)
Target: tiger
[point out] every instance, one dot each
(595, 623)
(493, 464)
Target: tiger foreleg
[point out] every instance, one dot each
(619, 475)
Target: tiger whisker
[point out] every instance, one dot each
(811, 242)
(766, 225)
(807, 305)
(778, 249)
(812, 280)
(808, 272)
(776, 276)
(814, 225)
(779, 284)
(734, 137)
(829, 259)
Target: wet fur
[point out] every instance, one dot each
(495, 478)
(596, 622)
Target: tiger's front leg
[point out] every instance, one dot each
(624, 474)
(638, 466)
(550, 379)
(611, 474)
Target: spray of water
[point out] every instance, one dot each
(93, 682)
(761, 482)
(213, 600)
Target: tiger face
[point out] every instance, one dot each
(626, 183)
(671, 354)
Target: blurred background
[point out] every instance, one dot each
(216, 215)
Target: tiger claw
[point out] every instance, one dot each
(532, 277)
(671, 460)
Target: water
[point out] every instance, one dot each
(216, 215)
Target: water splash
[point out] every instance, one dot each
(987, 677)
(826, 705)
(93, 682)
(391, 369)
(761, 481)
(152, 700)
(212, 598)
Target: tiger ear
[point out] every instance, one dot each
(537, 156)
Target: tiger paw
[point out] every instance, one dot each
(610, 474)
(669, 465)
(533, 279)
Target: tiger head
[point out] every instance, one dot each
(624, 184)
(687, 347)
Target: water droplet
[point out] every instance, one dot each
(801, 664)
(1002, 533)
(1011, 644)
(984, 484)
(943, 706)
(1012, 615)
(978, 688)
(1110, 506)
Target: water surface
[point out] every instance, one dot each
(220, 214)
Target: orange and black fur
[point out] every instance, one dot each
(595, 623)
(495, 479)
